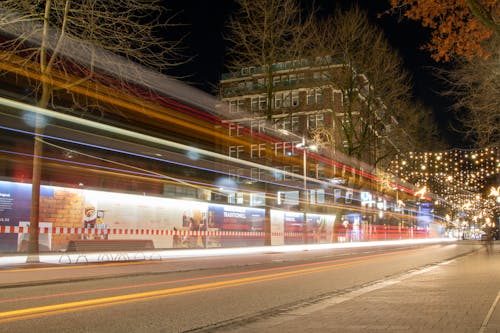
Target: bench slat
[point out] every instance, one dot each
(89, 245)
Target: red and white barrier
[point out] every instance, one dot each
(153, 232)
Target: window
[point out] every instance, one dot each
(236, 151)
(295, 98)
(239, 198)
(288, 198)
(261, 82)
(317, 75)
(286, 174)
(284, 124)
(295, 123)
(337, 194)
(232, 129)
(293, 78)
(312, 196)
(231, 198)
(310, 96)
(258, 150)
(284, 148)
(319, 96)
(240, 105)
(316, 120)
(277, 100)
(235, 198)
(258, 125)
(235, 174)
(290, 124)
(232, 106)
(286, 99)
(262, 103)
(348, 196)
(278, 174)
(255, 104)
(320, 196)
(235, 129)
(257, 199)
(256, 173)
(276, 80)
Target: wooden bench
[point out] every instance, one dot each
(108, 249)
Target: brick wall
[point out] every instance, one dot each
(65, 209)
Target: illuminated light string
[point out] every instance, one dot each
(470, 168)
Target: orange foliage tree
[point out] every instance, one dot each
(459, 27)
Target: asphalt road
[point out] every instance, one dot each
(206, 299)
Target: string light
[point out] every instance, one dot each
(470, 171)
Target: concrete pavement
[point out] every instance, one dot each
(461, 295)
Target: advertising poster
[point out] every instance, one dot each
(235, 218)
(128, 211)
(15, 203)
(294, 228)
(93, 218)
(320, 228)
(424, 217)
(44, 240)
(194, 218)
(277, 227)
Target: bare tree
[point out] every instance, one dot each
(263, 33)
(375, 87)
(63, 42)
(420, 125)
(476, 87)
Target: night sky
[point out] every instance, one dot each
(206, 25)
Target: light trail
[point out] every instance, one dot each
(192, 166)
(192, 182)
(214, 252)
(207, 277)
(148, 138)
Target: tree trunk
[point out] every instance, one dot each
(33, 245)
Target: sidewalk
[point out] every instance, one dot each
(458, 296)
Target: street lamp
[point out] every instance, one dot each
(305, 148)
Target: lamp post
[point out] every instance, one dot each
(305, 148)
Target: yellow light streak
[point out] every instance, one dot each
(21, 314)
